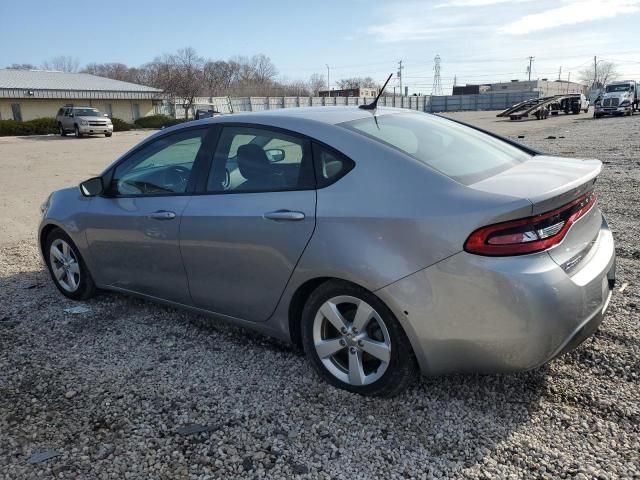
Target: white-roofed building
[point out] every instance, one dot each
(29, 94)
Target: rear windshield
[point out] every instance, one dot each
(462, 153)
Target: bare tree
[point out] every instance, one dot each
(116, 71)
(265, 70)
(357, 82)
(22, 66)
(219, 76)
(62, 63)
(317, 82)
(604, 73)
(179, 75)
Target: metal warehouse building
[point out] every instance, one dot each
(29, 94)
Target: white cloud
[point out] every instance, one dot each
(409, 29)
(476, 3)
(574, 12)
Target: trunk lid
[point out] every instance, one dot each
(548, 183)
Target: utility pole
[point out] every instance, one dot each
(455, 80)
(328, 83)
(400, 67)
(529, 69)
(595, 72)
(560, 73)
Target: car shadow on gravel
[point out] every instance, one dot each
(456, 421)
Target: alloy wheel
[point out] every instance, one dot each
(351, 340)
(64, 265)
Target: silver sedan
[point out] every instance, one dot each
(381, 241)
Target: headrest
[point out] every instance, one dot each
(253, 161)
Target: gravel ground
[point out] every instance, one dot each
(112, 390)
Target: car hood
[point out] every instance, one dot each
(93, 119)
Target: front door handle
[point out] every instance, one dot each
(162, 215)
(284, 215)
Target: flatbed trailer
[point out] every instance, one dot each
(538, 107)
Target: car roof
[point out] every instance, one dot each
(329, 115)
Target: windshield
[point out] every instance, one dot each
(622, 87)
(458, 151)
(86, 112)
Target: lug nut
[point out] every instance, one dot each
(343, 343)
(343, 330)
(352, 350)
(354, 330)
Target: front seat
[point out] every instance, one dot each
(255, 167)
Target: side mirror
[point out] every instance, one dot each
(105, 115)
(92, 187)
(275, 154)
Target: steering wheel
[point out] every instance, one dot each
(176, 178)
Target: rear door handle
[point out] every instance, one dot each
(162, 215)
(284, 215)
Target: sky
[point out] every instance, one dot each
(478, 41)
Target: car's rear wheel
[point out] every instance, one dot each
(67, 267)
(77, 132)
(355, 342)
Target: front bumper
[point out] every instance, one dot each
(470, 313)
(95, 129)
(612, 110)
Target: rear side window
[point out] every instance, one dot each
(462, 153)
(330, 165)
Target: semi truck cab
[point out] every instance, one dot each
(619, 98)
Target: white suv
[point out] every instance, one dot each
(83, 121)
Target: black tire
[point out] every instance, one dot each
(108, 134)
(86, 287)
(77, 132)
(402, 366)
(63, 132)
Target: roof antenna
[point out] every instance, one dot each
(374, 104)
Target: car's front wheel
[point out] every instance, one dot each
(62, 131)
(355, 342)
(66, 266)
(77, 132)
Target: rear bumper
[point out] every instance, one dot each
(479, 314)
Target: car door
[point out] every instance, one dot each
(133, 230)
(243, 234)
(67, 120)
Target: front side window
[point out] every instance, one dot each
(459, 152)
(251, 159)
(161, 167)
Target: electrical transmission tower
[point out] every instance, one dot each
(437, 85)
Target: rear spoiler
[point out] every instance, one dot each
(511, 142)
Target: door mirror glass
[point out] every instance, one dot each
(92, 187)
(275, 154)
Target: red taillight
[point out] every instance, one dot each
(528, 235)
